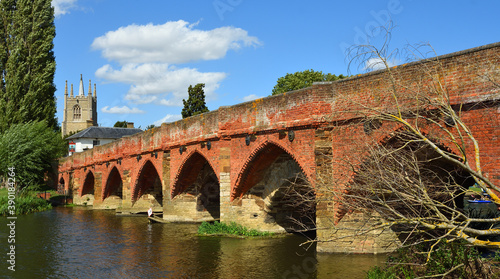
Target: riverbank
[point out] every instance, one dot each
(25, 204)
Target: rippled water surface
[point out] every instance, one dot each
(79, 243)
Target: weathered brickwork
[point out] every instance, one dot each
(236, 155)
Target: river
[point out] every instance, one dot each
(81, 243)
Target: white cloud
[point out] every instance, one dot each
(251, 97)
(149, 57)
(62, 7)
(374, 64)
(149, 82)
(173, 42)
(121, 110)
(168, 118)
(170, 103)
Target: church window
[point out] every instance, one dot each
(77, 112)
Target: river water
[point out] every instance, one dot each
(80, 243)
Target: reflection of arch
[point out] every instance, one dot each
(77, 112)
(197, 179)
(88, 185)
(148, 182)
(114, 184)
(256, 165)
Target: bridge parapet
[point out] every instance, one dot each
(303, 107)
(190, 130)
(300, 108)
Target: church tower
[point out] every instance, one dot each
(80, 111)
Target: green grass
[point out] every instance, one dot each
(232, 228)
(3, 192)
(24, 204)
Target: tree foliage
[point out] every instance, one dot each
(120, 124)
(299, 80)
(30, 148)
(27, 62)
(195, 103)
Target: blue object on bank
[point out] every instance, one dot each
(479, 201)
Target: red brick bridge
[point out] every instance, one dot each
(237, 163)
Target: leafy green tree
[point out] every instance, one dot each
(150, 127)
(299, 80)
(120, 124)
(195, 103)
(30, 148)
(27, 63)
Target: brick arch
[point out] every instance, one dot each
(389, 130)
(203, 152)
(62, 181)
(136, 166)
(105, 174)
(147, 169)
(113, 176)
(88, 184)
(257, 163)
(440, 165)
(188, 172)
(384, 135)
(64, 177)
(391, 133)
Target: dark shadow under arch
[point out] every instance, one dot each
(278, 185)
(197, 179)
(114, 185)
(88, 185)
(61, 186)
(148, 182)
(256, 166)
(293, 205)
(431, 161)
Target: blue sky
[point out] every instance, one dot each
(143, 55)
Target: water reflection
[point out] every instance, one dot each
(78, 243)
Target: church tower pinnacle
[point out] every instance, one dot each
(80, 90)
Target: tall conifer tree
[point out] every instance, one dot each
(195, 104)
(27, 62)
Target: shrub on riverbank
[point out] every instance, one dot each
(446, 260)
(25, 203)
(28, 152)
(232, 228)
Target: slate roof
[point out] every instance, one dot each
(95, 132)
